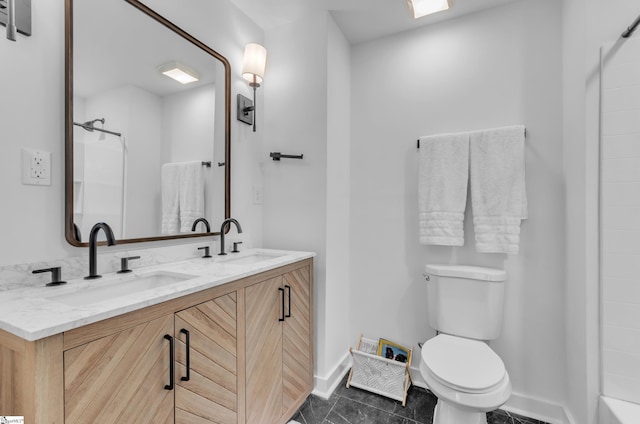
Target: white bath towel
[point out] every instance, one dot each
(498, 193)
(182, 196)
(191, 194)
(170, 183)
(442, 188)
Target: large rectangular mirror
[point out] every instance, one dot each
(144, 153)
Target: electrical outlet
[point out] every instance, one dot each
(36, 167)
(257, 195)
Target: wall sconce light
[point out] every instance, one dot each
(253, 66)
(420, 8)
(179, 72)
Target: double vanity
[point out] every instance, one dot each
(197, 341)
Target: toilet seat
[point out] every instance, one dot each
(464, 365)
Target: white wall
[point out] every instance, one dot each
(489, 69)
(338, 290)
(295, 111)
(32, 115)
(142, 127)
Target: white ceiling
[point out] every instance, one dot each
(360, 20)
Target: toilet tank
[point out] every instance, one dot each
(465, 301)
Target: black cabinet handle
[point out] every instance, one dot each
(282, 297)
(188, 350)
(171, 363)
(289, 293)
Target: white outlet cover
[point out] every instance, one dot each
(36, 167)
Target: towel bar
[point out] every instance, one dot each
(278, 156)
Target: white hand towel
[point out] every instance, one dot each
(498, 192)
(442, 186)
(170, 198)
(191, 194)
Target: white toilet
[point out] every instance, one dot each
(465, 307)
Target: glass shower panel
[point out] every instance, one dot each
(620, 219)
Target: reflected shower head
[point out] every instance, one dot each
(89, 124)
(629, 31)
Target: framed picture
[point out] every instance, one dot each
(390, 350)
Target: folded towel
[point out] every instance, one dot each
(442, 188)
(170, 179)
(191, 194)
(498, 192)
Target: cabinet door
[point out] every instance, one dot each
(210, 395)
(297, 372)
(121, 378)
(264, 351)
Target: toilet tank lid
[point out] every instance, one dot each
(466, 271)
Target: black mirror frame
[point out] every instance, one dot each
(69, 224)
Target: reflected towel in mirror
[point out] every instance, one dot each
(182, 196)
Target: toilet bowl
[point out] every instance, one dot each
(466, 376)
(465, 305)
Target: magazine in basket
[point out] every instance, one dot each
(381, 367)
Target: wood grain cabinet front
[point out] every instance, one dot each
(207, 363)
(126, 377)
(279, 356)
(121, 378)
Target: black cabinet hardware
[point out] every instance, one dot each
(277, 156)
(171, 363)
(188, 355)
(281, 290)
(289, 294)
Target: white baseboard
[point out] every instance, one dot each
(324, 387)
(518, 404)
(537, 409)
(416, 378)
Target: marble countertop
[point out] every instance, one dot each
(34, 313)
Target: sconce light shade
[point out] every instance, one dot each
(253, 66)
(179, 72)
(420, 8)
(254, 63)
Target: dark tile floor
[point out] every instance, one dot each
(356, 406)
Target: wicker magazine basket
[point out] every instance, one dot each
(377, 374)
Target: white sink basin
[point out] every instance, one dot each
(112, 290)
(254, 258)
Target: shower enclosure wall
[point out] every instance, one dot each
(620, 220)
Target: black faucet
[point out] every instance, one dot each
(222, 228)
(93, 242)
(206, 224)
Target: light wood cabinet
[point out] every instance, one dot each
(279, 346)
(297, 341)
(206, 371)
(234, 360)
(121, 378)
(125, 377)
(264, 351)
